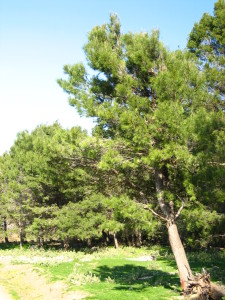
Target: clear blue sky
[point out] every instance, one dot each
(37, 37)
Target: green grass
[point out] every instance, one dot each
(59, 271)
(14, 294)
(112, 274)
(137, 280)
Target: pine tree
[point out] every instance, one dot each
(154, 107)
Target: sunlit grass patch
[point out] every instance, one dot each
(115, 274)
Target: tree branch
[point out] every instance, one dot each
(179, 210)
(217, 163)
(145, 206)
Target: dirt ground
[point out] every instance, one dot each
(23, 283)
(3, 294)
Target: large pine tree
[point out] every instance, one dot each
(155, 108)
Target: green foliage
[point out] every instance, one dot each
(123, 214)
(41, 177)
(82, 220)
(155, 111)
(159, 111)
(201, 227)
(207, 42)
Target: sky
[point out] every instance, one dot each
(38, 37)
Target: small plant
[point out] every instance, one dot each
(77, 278)
(110, 280)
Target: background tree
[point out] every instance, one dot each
(207, 42)
(41, 179)
(4, 186)
(55, 183)
(81, 221)
(16, 193)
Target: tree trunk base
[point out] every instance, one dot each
(116, 244)
(203, 289)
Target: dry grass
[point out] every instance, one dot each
(24, 283)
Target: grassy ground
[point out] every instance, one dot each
(106, 274)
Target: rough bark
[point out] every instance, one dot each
(200, 286)
(174, 238)
(115, 241)
(159, 192)
(183, 266)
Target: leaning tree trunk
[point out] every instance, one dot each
(184, 269)
(199, 285)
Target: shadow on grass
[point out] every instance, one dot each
(135, 277)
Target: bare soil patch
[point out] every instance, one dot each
(22, 281)
(3, 294)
